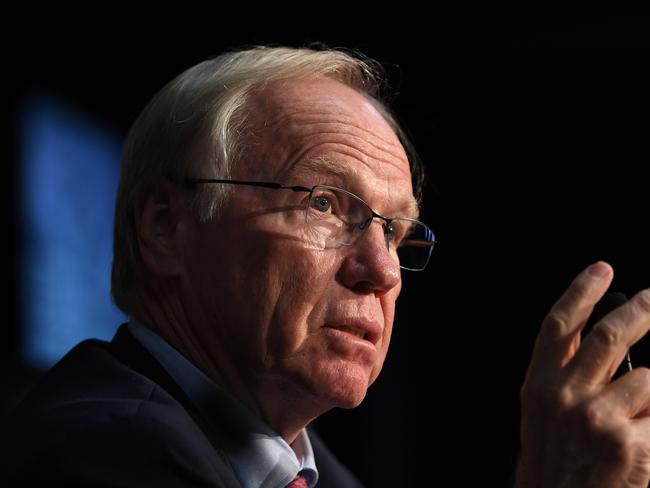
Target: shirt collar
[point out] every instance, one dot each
(259, 456)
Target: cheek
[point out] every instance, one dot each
(302, 279)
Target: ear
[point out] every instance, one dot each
(159, 221)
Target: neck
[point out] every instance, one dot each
(158, 306)
(286, 408)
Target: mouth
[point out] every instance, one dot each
(365, 330)
(354, 331)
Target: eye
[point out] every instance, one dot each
(389, 232)
(322, 203)
(396, 232)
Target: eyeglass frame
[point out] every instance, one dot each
(305, 189)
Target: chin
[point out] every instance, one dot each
(342, 385)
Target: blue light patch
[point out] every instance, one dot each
(68, 179)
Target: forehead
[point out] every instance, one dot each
(309, 128)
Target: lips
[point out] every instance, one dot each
(354, 331)
(363, 329)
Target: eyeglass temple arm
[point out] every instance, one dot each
(263, 184)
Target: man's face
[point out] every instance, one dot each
(269, 308)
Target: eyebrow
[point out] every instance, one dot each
(323, 165)
(319, 165)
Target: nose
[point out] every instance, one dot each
(368, 266)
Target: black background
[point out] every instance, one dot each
(534, 132)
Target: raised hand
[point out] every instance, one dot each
(579, 428)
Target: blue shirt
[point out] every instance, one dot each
(264, 459)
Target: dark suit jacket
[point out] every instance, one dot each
(109, 415)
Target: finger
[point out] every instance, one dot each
(629, 396)
(605, 347)
(559, 336)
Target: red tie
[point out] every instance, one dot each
(298, 482)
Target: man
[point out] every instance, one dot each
(266, 208)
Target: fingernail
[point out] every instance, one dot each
(598, 270)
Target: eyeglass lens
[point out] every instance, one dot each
(338, 217)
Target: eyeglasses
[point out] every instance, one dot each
(335, 216)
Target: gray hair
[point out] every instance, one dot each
(194, 126)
